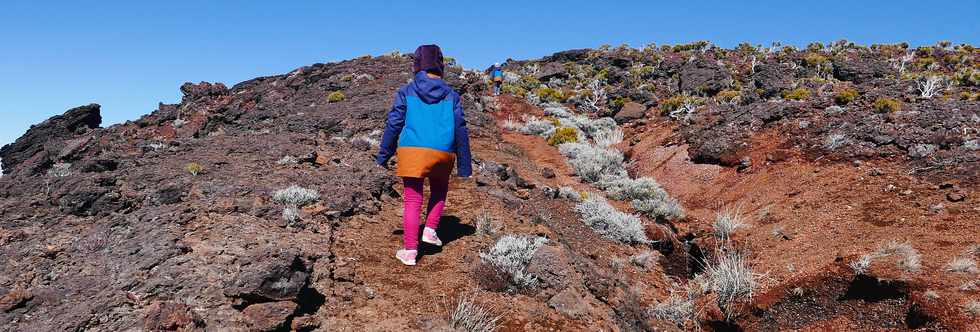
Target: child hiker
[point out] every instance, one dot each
(497, 74)
(426, 124)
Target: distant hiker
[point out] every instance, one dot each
(497, 75)
(426, 124)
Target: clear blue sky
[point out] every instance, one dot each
(130, 55)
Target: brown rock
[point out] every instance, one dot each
(322, 158)
(957, 196)
(631, 111)
(523, 193)
(170, 316)
(15, 299)
(570, 302)
(548, 173)
(269, 316)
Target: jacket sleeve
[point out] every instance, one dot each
(463, 158)
(393, 128)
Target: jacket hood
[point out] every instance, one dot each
(430, 90)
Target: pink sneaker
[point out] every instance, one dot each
(429, 236)
(406, 256)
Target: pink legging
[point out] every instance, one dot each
(413, 206)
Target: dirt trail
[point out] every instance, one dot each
(418, 297)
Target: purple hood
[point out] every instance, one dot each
(430, 90)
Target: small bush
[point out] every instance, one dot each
(365, 142)
(570, 193)
(550, 95)
(833, 110)
(294, 198)
(732, 279)
(611, 223)
(591, 163)
(673, 103)
(726, 223)
(862, 264)
(296, 195)
(967, 77)
(814, 47)
(563, 135)
(666, 208)
(972, 308)
(625, 188)
(909, 259)
(728, 97)
(969, 96)
(511, 125)
(618, 102)
(962, 265)
(536, 126)
(510, 256)
(60, 170)
(558, 112)
(336, 96)
(608, 138)
(644, 260)
(797, 94)
(834, 141)
(487, 225)
(846, 96)
(468, 316)
(814, 59)
(513, 89)
(287, 160)
(677, 309)
(887, 105)
(194, 168)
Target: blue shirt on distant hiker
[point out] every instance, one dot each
(497, 76)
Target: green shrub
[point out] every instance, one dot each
(797, 94)
(728, 96)
(602, 74)
(514, 90)
(887, 105)
(673, 103)
(194, 168)
(549, 95)
(967, 77)
(690, 47)
(814, 59)
(814, 47)
(530, 81)
(563, 135)
(553, 120)
(336, 96)
(642, 71)
(846, 96)
(618, 102)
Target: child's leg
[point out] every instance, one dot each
(437, 201)
(410, 215)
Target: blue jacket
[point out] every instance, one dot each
(426, 120)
